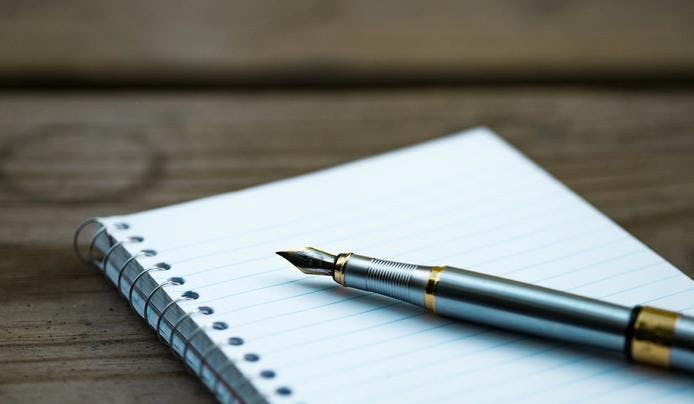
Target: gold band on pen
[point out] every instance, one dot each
(340, 264)
(654, 330)
(430, 290)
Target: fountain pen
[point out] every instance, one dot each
(643, 334)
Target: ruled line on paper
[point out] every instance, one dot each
(534, 373)
(679, 292)
(431, 186)
(641, 285)
(424, 365)
(327, 226)
(460, 355)
(266, 256)
(408, 235)
(628, 271)
(468, 389)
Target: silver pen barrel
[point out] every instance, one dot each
(644, 334)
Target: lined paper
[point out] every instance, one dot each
(468, 200)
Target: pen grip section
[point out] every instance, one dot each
(389, 278)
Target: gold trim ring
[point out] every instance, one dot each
(432, 285)
(653, 333)
(340, 264)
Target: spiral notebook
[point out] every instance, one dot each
(204, 275)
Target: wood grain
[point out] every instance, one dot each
(316, 41)
(65, 335)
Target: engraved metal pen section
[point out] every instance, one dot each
(644, 334)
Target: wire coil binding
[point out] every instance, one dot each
(89, 259)
(102, 265)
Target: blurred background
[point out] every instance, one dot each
(114, 107)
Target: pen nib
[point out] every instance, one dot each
(311, 261)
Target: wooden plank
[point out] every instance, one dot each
(68, 157)
(65, 335)
(309, 41)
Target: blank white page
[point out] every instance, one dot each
(468, 200)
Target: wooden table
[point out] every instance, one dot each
(69, 150)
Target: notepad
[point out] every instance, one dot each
(254, 329)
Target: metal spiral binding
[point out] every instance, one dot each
(143, 253)
(102, 265)
(203, 359)
(90, 259)
(92, 244)
(217, 377)
(174, 330)
(158, 267)
(102, 230)
(185, 296)
(172, 281)
(215, 384)
(104, 262)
